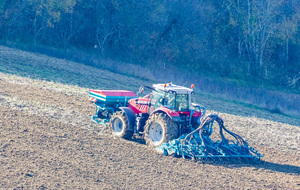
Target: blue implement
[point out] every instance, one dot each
(198, 144)
(108, 102)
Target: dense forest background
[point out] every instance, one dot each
(254, 41)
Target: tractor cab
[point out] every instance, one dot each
(173, 97)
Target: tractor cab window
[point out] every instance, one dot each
(178, 102)
(182, 102)
(170, 100)
(157, 98)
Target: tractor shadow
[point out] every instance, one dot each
(138, 139)
(257, 165)
(285, 168)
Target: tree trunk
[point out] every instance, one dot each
(286, 50)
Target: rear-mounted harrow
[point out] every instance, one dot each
(199, 145)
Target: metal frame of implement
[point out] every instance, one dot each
(198, 144)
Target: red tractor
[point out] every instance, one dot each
(162, 115)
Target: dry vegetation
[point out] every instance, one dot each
(47, 140)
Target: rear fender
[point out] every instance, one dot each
(173, 115)
(130, 115)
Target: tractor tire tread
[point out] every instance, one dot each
(127, 131)
(170, 128)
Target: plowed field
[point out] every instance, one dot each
(47, 141)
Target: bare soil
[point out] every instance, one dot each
(47, 141)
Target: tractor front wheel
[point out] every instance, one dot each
(160, 129)
(120, 126)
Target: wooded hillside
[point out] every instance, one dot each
(253, 40)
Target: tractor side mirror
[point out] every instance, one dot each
(141, 90)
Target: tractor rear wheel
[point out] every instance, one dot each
(120, 126)
(160, 129)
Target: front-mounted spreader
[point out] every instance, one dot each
(170, 122)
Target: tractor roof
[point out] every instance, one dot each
(172, 87)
